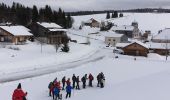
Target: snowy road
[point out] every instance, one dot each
(8, 77)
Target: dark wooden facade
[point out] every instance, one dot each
(161, 51)
(52, 37)
(135, 49)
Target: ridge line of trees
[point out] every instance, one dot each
(19, 14)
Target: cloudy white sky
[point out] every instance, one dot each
(78, 5)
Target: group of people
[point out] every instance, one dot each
(55, 86)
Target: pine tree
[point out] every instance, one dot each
(108, 15)
(34, 14)
(115, 14)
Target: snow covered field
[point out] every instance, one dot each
(146, 21)
(126, 79)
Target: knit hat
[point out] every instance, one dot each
(19, 86)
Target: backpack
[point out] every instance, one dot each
(50, 84)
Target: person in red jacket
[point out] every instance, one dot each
(19, 94)
(68, 81)
(90, 79)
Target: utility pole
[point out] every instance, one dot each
(166, 48)
(114, 48)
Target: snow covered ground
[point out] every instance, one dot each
(126, 79)
(146, 21)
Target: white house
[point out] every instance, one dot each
(112, 38)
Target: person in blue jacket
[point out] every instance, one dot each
(56, 92)
(68, 90)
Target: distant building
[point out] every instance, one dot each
(112, 38)
(134, 48)
(92, 23)
(159, 48)
(14, 34)
(163, 36)
(49, 32)
(131, 31)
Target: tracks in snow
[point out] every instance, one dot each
(98, 55)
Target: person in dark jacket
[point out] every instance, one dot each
(19, 94)
(74, 80)
(68, 90)
(49, 87)
(102, 80)
(83, 79)
(98, 80)
(63, 82)
(55, 80)
(90, 80)
(77, 83)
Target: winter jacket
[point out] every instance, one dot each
(18, 94)
(63, 80)
(91, 77)
(83, 79)
(56, 91)
(77, 80)
(98, 77)
(68, 82)
(50, 85)
(74, 78)
(68, 88)
(58, 85)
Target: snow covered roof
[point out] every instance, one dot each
(88, 29)
(111, 34)
(58, 30)
(122, 44)
(153, 45)
(127, 44)
(163, 35)
(17, 30)
(90, 20)
(124, 28)
(141, 43)
(49, 25)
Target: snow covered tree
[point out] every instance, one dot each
(115, 15)
(65, 48)
(121, 15)
(112, 15)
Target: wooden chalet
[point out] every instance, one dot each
(136, 49)
(49, 32)
(14, 34)
(92, 23)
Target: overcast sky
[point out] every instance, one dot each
(78, 5)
